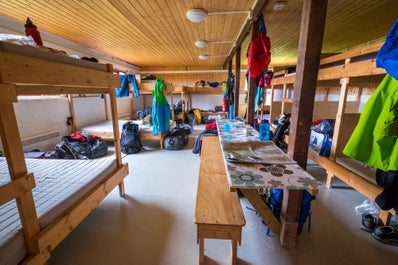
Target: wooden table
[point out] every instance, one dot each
(262, 165)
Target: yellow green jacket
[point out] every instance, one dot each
(374, 139)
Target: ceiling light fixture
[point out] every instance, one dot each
(201, 43)
(204, 43)
(279, 5)
(198, 14)
(203, 57)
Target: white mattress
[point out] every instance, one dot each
(59, 183)
(106, 127)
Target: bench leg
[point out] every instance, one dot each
(234, 252)
(329, 180)
(201, 251)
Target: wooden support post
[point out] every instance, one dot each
(116, 135)
(310, 44)
(252, 83)
(237, 81)
(337, 126)
(13, 151)
(290, 213)
(72, 114)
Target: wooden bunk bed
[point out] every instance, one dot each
(104, 128)
(354, 68)
(29, 187)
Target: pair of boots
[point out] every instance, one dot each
(388, 198)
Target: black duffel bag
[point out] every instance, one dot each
(91, 148)
(177, 139)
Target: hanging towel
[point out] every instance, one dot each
(160, 109)
(133, 82)
(123, 91)
(374, 139)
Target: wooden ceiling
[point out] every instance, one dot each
(157, 34)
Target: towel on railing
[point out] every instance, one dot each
(123, 91)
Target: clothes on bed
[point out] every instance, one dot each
(374, 140)
(161, 112)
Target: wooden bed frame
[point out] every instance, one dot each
(355, 68)
(30, 71)
(105, 131)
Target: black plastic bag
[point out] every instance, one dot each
(177, 139)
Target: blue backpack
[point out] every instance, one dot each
(275, 204)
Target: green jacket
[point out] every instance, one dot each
(374, 139)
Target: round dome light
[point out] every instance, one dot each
(196, 15)
(201, 43)
(203, 57)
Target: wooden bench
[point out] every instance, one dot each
(218, 213)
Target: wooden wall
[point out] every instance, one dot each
(193, 78)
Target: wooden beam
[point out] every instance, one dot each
(290, 214)
(310, 45)
(13, 151)
(72, 120)
(257, 10)
(237, 81)
(16, 188)
(8, 93)
(252, 84)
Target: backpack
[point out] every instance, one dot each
(177, 139)
(283, 125)
(130, 140)
(275, 204)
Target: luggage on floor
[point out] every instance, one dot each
(177, 139)
(130, 140)
(321, 143)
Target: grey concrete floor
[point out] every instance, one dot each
(154, 224)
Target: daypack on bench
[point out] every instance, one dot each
(130, 140)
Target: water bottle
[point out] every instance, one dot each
(264, 130)
(231, 112)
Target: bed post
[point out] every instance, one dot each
(337, 127)
(115, 124)
(72, 118)
(13, 151)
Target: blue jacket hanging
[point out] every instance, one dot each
(387, 57)
(123, 91)
(160, 109)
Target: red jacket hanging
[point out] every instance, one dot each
(259, 54)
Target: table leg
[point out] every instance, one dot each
(262, 209)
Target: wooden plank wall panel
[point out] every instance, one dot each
(191, 79)
(158, 34)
